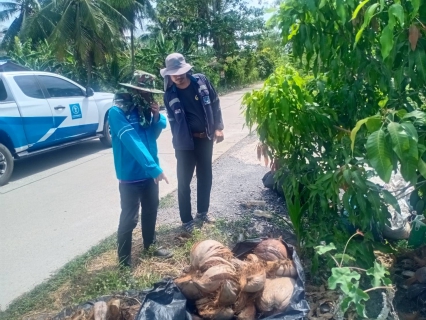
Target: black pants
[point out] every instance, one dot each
(132, 196)
(187, 161)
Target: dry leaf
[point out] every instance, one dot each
(414, 35)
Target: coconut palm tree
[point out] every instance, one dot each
(21, 10)
(90, 28)
(135, 11)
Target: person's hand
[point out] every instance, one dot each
(155, 109)
(161, 177)
(218, 136)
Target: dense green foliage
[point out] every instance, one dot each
(94, 42)
(354, 112)
(366, 62)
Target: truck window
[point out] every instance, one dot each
(3, 93)
(29, 86)
(59, 88)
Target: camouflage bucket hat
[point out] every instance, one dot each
(142, 81)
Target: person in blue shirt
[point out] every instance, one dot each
(135, 124)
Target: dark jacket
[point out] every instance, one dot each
(182, 136)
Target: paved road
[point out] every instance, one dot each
(60, 204)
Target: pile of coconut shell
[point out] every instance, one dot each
(109, 308)
(224, 287)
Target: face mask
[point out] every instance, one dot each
(123, 101)
(144, 110)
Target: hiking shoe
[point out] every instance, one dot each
(202, 218)
(162, 253)
(188, 227)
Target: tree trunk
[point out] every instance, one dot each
(89, 70)
(132, 48)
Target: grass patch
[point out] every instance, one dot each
(96, 273)
(167, 201)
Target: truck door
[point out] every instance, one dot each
(11, 121)
(68, 100)
(37, 118)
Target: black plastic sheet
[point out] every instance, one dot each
(270, 183)
(164, 302)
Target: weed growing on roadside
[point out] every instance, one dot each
(167, 201)
(348, 278)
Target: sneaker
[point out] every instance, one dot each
(189, 226)
(162, 253)
(204, 218)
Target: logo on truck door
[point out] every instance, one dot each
(76, 111)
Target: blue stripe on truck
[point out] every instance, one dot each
(37, 127)
(14, 128)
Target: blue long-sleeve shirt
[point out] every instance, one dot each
(134, 147)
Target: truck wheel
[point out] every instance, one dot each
(6, 165)
(106, 139)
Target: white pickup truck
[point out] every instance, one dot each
(42, 111)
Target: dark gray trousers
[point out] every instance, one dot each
(133, 196)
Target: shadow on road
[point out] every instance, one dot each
(39, 163)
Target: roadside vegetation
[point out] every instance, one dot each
(351, 106)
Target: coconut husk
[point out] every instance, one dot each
(244, 299)
(204, 250)
(130, 312)
(204, 303)
(188, 287)
(255, 282)
(214, 277)
(208, 310)
(213, 261)
(252, 258)
(271, 250)
(217, 314)
(238, 264)
(248, 313)
(275, 296)
(253, 275)
(228, 293)
(281, 268)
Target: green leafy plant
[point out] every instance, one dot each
(352, 110)
(347, 278)
(327, 192)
